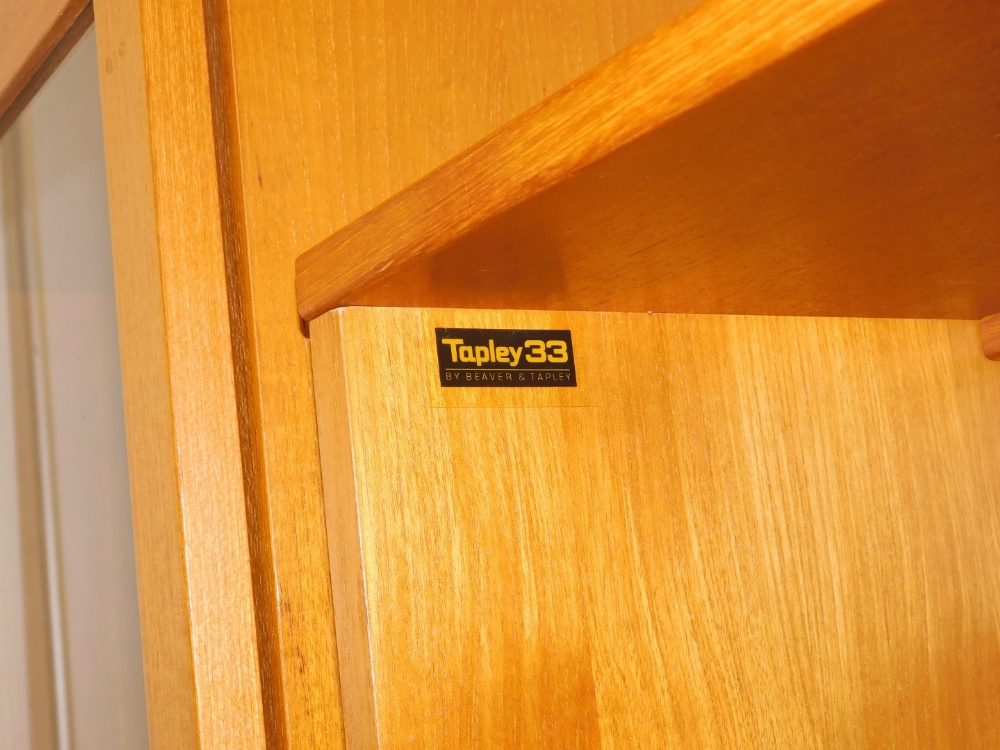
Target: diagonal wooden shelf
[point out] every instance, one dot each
(791, 157)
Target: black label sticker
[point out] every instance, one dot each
(505, 358)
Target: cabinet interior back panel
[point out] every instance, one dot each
(733, 532)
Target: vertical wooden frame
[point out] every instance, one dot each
(196, 602)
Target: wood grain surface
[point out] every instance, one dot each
(782, 157)
(196, 601)
(323, 110)
(736, 532)
(35, 35)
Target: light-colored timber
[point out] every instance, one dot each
(786, 157)
(324, 109)
(200, 656)
(215, 198)
(736, 532)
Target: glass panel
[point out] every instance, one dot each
(70, 660)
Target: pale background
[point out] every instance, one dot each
(62, 454)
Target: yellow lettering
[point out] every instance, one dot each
(537, 351)
(559, 353)
(465, 354)
(502, 354)
(453, 343)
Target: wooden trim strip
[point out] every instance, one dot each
(37, 35)
(192, 550)
(343, 533)
(278, 651)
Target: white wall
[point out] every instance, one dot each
(96, 650)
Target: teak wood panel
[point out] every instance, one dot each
(323, 110)
(784, 157)
(35, 35)
(736, 532)
(196, 601)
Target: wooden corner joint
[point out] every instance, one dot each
(989, 327)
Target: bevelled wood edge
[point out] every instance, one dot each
(989, 328)
(672, 71)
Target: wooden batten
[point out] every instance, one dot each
(807, 158)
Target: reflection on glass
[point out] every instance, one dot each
(70, 662)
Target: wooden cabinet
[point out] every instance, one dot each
(770, 523)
